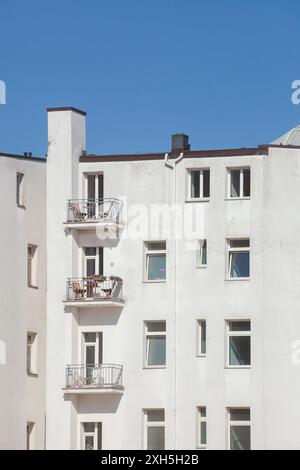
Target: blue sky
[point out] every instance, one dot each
(219, 70)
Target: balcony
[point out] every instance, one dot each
(87, 214)
(92, 379)
(94, 291)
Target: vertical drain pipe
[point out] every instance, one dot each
(172, 165)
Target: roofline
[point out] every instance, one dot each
(260, 150)
(23, 157)
(69, 108)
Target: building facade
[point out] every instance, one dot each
(172, 304)
(23, 301)
(171, 338)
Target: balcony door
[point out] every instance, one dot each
(93, 261)
(95, 186)
(93, 356)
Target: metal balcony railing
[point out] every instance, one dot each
(99, 376)
(97, 288)
(94, 210)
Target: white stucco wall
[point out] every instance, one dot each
(22, 309)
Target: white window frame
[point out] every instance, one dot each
(32, 265)
(95, 257)
(20, 179)
(201, 419)
(148, 253)
(32, 353)
(149, 424)
(241, 169)
(237, 423)
(30, 435)
(200, 325)
(97, 345)
(201, 244)
(93, 434)
(231, 250)
(147, 335)
(96, 174)
(237, 333)
(189, 197)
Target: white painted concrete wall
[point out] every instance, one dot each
(22, 309)
(270, 299)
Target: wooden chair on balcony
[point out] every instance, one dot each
(78, 215)
(78, 290)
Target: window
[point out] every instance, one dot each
(94, 186)
(199, 184)
(239, 259)
(239, 182)
(93, 261)
(239, 343)
(239, 429)
(32, 353)
(202, 254)
(201, 427)
(155, 344)
(30, 436)
(20, 190)
(201, 337)
(32, 261)
(154, 438)
(155, 253)
(91, 436)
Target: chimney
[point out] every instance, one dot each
(180, 142)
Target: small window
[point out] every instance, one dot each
(239, 182)
(32, 353)
(20, 190)
(239, 259)
(155, 261)
(30, 436)
(201, 427)
(154, 429)
(202, 254)
(32, 265)
(199, 184)
(239, 428)
(91, 434)
(201, 337)
(93, 261)
(239, 343)
(155, 344)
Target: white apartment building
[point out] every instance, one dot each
(172, 301)
(165, 341)
(23, 301)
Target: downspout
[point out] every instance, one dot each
(172, 165)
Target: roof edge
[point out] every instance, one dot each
(23, 157)
(67, 108)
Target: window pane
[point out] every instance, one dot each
(153, 326)
(156, 267)
(88, 427)
(239, 325)
(90, 337)
(90, 251)
(156, 351)
(235, 183)
(239, 350)
(90, 267)
(240, 438)
(203, 433)
(156, 438)
(246, 182)
(239, 414)
(203, 337)
(240, 264)
(155, 415)
(195, 184)
(160, 246)
(89, 443)
(90, 355)
(204, 253)
(244, 243)
(206, 183)
(202, 411)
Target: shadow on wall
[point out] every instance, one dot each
(93, 316)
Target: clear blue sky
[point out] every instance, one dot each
(219, 70)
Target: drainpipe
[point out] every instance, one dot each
(172, 165)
